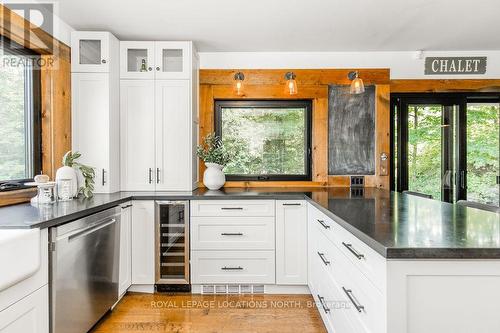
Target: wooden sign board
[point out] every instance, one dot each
(455, 65)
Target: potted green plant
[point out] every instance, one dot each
(69, 172)
(215, 156)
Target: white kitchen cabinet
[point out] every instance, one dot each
(173, 60)
(92, 51)
(173, 140)
(137, 60)
(159, 116)
(28, 315)
(94, 131)
(291, 242)
(95, 113)
(125, 277)
(143, 242)
(137, 123)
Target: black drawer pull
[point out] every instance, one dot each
(353, 251)
(358, 307)
(292, 204)
(322, 256)
(232, 208)
(232, 234)
(127, 206)
(239, 268)
(326, 226)
(323, 305)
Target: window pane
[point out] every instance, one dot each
(266, 141)
(483, 149)
(424, 149)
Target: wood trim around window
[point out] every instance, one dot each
(55, 94)
(312, 84)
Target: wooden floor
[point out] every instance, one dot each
(186, 313)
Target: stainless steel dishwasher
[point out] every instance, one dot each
(84, 259)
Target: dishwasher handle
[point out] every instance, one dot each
(90, 229)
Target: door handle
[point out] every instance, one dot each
(323, 258)
(157, 175)
(150, 175)
(323, 305)
(103, 177)
(91, 229)
(326, 226)
(232, 234)
(353, 251)
(358, 307)
(292, 204)
(239, 268)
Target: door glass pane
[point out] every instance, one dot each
(424, 149)
(172, 60)
(90, 52)
(483, 146)
(137, 60)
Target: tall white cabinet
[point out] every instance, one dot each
(95, 105)
(158, 123)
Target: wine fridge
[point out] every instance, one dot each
(172, 246)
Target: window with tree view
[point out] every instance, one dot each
(267, 140)
(19, 114)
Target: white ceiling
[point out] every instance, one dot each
(295, 25)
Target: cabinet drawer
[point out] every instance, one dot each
(319, 220)
(232, 208)
(232, 233)
(331, 304)
(232, 267)
(366, 260)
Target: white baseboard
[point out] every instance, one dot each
(142, 288)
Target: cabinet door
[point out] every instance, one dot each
(29, 315)
(143, 242)
(137, 133)
(137, 60)
(90, 51)
(90, 124)
(291, 242)
(172, 60)
(173, 134)
(125, 248)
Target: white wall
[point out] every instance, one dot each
(403, 65)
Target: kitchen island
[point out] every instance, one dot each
(374, 260)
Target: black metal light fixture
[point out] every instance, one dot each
(239, 77)
(291, 84)
(357, 85)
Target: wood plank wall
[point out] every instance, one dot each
(313, 85)
(55, 93)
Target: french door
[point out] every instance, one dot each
(447, 146)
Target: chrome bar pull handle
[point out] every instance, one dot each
(292, 204)
(323, 305)
(323, 258)
(349, 294)
(232, 234)
(326, 226)
(157, 175)
(353, 251)
(103, 177)
(232, 208)
(225, 268)
(150, 175)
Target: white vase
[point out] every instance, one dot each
(66, 172)
(213, 177)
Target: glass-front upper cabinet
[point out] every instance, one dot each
(172, 60)
(90, 51)
(137, 60)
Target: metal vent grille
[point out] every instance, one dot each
(232, 289)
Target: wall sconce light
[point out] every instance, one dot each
(357, 85)
(291, 84)
(239, 77)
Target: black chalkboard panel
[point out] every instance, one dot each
(351, 131)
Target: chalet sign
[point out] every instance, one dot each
(455, 65)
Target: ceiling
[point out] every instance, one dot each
(295, 25)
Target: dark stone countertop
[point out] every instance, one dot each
(397, 226)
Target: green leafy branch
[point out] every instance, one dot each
(88, 173)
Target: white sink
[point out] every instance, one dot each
(19, 255)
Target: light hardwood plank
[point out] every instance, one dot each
(183, 313)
